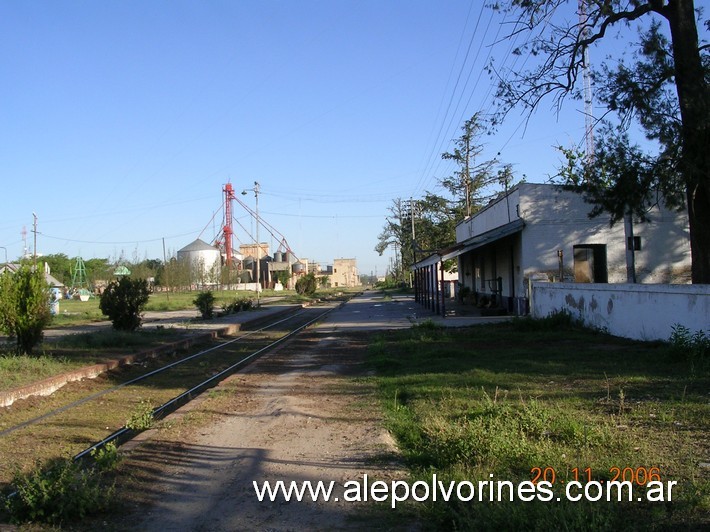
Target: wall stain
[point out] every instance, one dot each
(572, 302)
(593, 305)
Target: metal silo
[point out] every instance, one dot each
(205, 261)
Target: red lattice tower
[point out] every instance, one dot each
(227, 230)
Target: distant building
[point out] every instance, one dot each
(52, 281)
(345, 273)
(255, 251)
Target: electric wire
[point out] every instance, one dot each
(440, 138)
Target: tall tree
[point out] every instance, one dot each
(471, 175)
(396, 234)
(60, 266)
(24, 306)
(420, 227)
(678, 119)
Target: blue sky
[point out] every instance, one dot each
(120, 122)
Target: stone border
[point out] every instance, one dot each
(50, 385)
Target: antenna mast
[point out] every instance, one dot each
(587, 78)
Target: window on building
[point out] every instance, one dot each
(636, 243)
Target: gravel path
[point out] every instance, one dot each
(293, 415)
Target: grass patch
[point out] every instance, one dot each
(76, 351)
(16, 370)
(111, 338)
(62, 490)
(75, 312)
(504, 399)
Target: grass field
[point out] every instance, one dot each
(75, 312)
(84, 349)
(546, 399)
(76, 351)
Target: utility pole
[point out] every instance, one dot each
(258, 245)
(587, 78)
(412, 211)
(34, 230)
(165, 270)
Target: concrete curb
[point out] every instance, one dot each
(50, 385)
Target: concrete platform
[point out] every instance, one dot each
(194, 332)
(178, 319)
(374, 310)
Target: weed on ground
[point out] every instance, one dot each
(76, 351)
(546, 402)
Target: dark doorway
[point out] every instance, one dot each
(590, 263)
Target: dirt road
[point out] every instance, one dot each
(294, 415)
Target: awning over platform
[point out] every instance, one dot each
(486, 238)
(472, 243)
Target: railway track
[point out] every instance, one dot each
(88, 414)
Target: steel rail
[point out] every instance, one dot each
(124, 434)
(96, 395)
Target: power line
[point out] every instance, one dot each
(105, 242)
(440, 139)
(333, 216)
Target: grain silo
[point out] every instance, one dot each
(204, 260)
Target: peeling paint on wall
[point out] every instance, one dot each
(638, 311)
(593, 305)
(572, 302)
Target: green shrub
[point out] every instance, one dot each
(306, 285)
(232, 307)
(694, 347)
(241, 303)
(464, 292)
(57, 492)
(558, 320)
(246, 303)
(141, 418)
(24, 307)
(205, 304)
(105, 458)
(123, 302)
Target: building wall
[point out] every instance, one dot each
(641, 312)
(345, 273)
(250, 250)
(496, 214)
(557, 219)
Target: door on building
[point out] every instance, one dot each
(590, 263)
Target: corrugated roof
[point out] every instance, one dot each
(122, 270)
